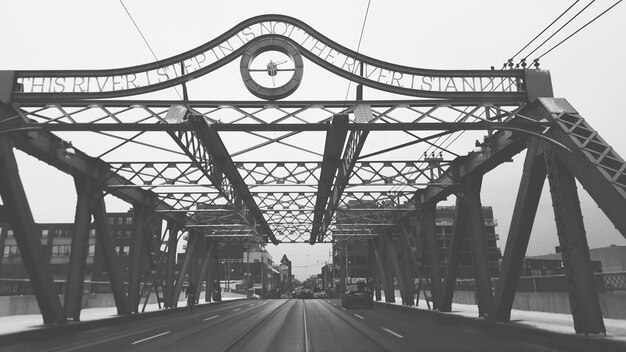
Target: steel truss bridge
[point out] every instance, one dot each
(292, 171)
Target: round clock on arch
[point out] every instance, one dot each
(271, 68)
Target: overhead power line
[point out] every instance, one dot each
(367, 10)
(580, 29)
(510, 62)
(558, 30)
(147, 44)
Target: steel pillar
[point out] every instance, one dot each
(528, 196)
(393, 257)
(105, 245)
(172, 243)
(73, 299)
(134, 280)
(373, 267)
(476, 224)
(429, 212)
(28, 242)
(191, 247)
(458, 233)
(381, 267)
(583, 297)
(202, 275)
(214, 269)
(390, 294)
(342, 273)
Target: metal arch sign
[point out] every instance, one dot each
(506, 85)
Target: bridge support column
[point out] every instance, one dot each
(342, 272)
(429, 212)
(136, 249)
(528, 196)
(170, 265)
(191, 247)
(479, 244)
(384, 277)
(458, 232)
(105, 246)
(374, 272)
(73, 299)
(205, 246)
(214, 269)
(28, 242)
(408, 264)
(393, 258)
(387, 269)
(583, 297)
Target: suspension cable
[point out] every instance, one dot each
(367, 10)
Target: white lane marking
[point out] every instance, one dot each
(251, 304)
(307, 345)
(213, 317)
(343, 308)
(236, 309)
(334, 304)
(392, 333)
(358, 316)
(150, 338)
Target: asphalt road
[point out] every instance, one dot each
(279, 325)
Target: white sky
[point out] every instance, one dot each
(588, 70)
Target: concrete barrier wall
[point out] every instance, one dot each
(613, 304)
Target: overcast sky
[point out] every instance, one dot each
(588, 70)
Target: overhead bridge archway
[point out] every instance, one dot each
(270, 169)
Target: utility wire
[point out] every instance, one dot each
(558, 30)
(580, 29)
(538, 35)
(358, 46)
(148, 44)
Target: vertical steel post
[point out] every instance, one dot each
(393, 257)
(583, 297)
(390, 292)
(476, 226)
(528, 195)
(458, 233)
(381, 267)
(408, 264)
(28, 242)
(204, 250)
(73, 299)
(136, 250)
(191, 246)
(170, 266)
(113, 266)
(429, 212)
(373, 269)
(342, 273)
(215, 274)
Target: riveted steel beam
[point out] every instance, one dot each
(73, 299)
(221, 159)
(452, 263)
(583, 297)
(335, 138)
(528, 195)
(16, 205)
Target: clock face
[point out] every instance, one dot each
(271, 68)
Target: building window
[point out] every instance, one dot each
(125, 250)
(92, 233)
(117, 249)
(61, 250)
(120, 220)
(10, 234)
(58, 232)
(44, 233)
(127, 233)
(92, 249)
(111, 220)
(129, 220)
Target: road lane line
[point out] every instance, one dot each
(334, 304)
(343, 308)
(251, 304)
(392, 333)
(236, 309)
(358, 316)
(150, 338)
(213, 317)
(307, 345)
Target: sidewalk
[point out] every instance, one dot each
(553, 322)
(17, 323)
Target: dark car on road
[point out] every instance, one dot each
(357, 295)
